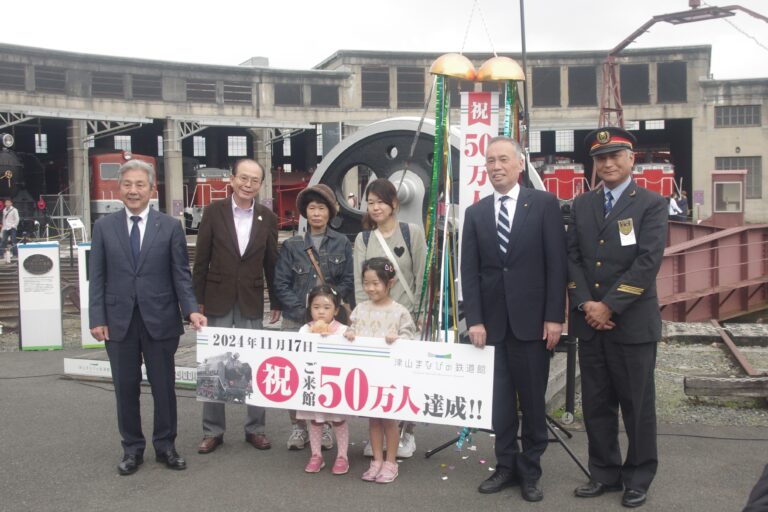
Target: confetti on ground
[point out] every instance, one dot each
(491, 468)
(444, 477)
(472, 448)
(482, 461)
(464, 457)
(451, 468)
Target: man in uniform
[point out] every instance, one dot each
(236, 253)
(616, 240)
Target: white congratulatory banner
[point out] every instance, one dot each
(88, 341)
(445, 383)
(479, 124)
(40, 296)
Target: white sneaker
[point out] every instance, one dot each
(298, 438)
(368, 451)
(407, 446)
(327, 441)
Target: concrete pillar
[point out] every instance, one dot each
(174, 174)
(79, 175)
(262, 153)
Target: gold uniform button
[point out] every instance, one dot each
(599, 264)
(597, 285)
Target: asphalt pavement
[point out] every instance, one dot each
(60, 449)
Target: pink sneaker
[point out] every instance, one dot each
(387, 474)
(315, 464)
(340, 467)
(373, 470)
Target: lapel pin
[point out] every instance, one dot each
(632, 194)
(259, 217)
(525, 205)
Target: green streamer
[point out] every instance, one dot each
(509, 96)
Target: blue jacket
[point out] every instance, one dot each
(295, 276)
(161, 285)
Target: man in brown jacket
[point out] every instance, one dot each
(236, 251)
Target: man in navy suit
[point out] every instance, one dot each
(140, 285)
(513, 276)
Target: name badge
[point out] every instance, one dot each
(627, 232)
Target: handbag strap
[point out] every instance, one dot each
(315, 264)
(388, 252)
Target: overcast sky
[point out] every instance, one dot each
(299, 34)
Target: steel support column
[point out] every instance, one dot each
(174, 173)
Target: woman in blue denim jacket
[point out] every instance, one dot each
(295, 274)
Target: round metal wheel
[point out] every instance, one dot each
(383, 147)
(567, 418)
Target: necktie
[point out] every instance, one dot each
(503, 226)
(608, 203)
(135, 240)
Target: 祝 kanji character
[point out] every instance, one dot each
(479, 110)
(276, 380)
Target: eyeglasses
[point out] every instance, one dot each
(244, 180)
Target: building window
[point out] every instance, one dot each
(198, 145)
(582, 86)
(123, 142)
(375, 86)
(288, 94)
(410, 87)
(324, 95)
(672, 80)
(159, 145)
(754, 167)
(534, 141)
(656, 124)
(238, 92)
(737, 115)
(564, 140)
(107, 85)
(51, 80)
(728, 197)
(147, 87)
(546, 87)
(201, 91)
(41, 143)
(634, 84)
(12, 76)
(237, 145)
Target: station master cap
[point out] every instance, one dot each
(608, 139)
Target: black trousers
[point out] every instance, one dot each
(758, 498)
(613, 376)
(125, 359)
(521, 372)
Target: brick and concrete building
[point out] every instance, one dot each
(175, 110)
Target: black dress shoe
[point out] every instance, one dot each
(594, 489)
(530, 491)
(172, 459)
(633, 498)
(130, 464)
(500, 479)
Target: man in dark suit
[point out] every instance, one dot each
(139, 279)
(236, 251)
(616, 240)
(513, 274)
